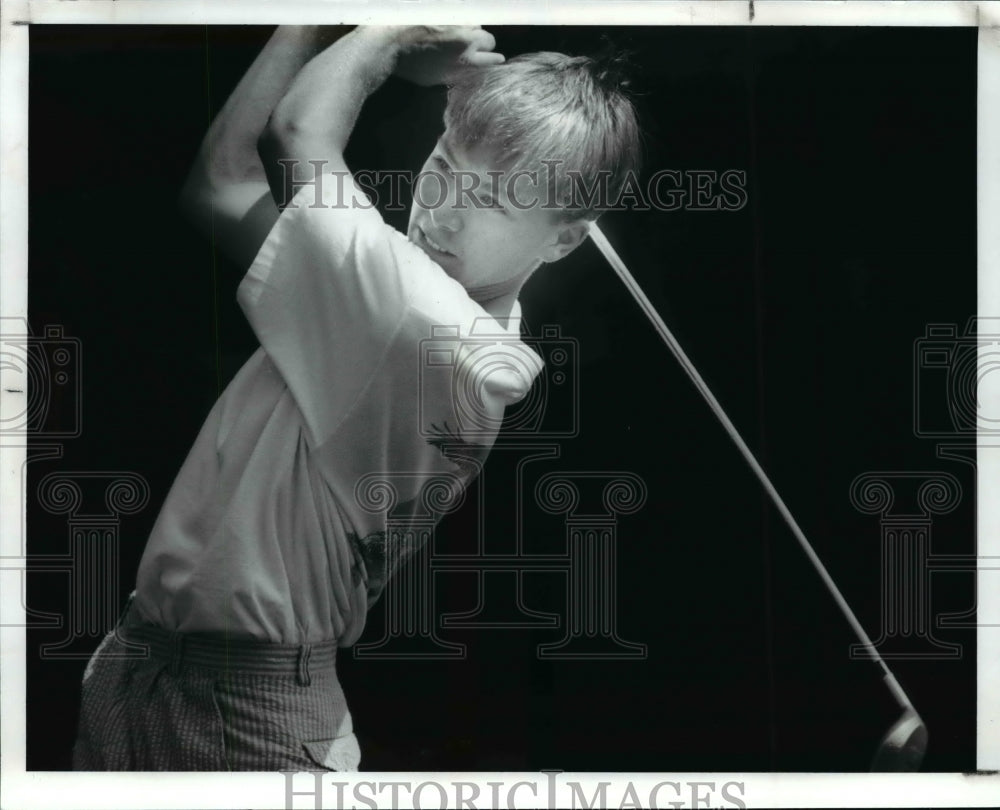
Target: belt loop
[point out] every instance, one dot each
(302, 671)
(176, 652)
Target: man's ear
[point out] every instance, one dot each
(568, 237)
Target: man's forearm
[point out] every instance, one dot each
(228, 153)
(226, 192)
(315, 117)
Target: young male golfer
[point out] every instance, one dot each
(268, 551)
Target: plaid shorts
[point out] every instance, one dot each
(160, 701)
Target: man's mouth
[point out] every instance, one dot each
(427, 240)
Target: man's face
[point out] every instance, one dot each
(483, 226)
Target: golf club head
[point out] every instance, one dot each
(903, 747)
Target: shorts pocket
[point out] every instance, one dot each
(340, 754)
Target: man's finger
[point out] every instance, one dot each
(455, 33)
(431, 35)
(483, 58)
(483, 40)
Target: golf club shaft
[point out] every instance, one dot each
(619, 267)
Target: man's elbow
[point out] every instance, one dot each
(197, 194)
(276, 139)
(287, 140)
(209, 184)
(278, 145)
(293, 151)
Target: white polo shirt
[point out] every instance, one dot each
(377, 378)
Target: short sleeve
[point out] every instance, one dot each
(325, 295)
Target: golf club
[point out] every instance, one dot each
(904, 745)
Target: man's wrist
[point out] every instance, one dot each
(383, 38)
(310, 39)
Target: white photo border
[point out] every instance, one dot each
(29, 790)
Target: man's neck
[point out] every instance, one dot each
(499, 299)
(501, 307)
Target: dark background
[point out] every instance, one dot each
(801, 311)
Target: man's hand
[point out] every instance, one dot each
(433, 54)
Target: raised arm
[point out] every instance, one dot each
(226, 192)
(316, 115)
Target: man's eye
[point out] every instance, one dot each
(491, 204)
(442, 164)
